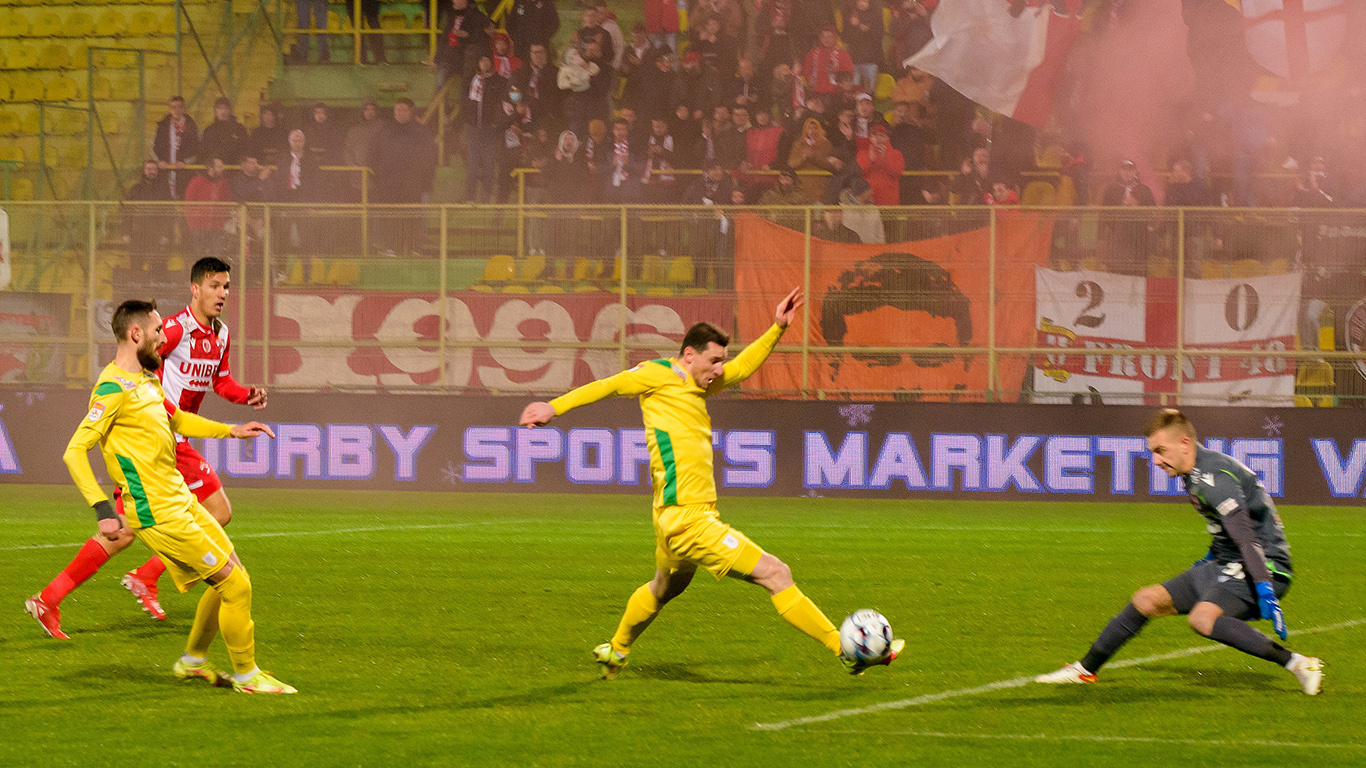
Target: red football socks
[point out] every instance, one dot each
(82, 567)
(151, 570)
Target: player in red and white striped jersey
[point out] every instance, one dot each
(195, 360)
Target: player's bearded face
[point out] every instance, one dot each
(148, 356)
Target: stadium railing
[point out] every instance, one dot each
(968, 304)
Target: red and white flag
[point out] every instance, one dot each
(1006, 55)
(1294, 38)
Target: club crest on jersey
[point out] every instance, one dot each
(95, 412)
(206, 345)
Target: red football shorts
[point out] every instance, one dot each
(201, 478)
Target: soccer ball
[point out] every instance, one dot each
(865, 635)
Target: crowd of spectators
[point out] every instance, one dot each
(753, 89)
(770, 102)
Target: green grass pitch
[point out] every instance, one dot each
(455, 629)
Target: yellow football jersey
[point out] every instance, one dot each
(135, 426)
(677, 425)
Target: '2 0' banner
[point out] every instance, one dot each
(1100, 318)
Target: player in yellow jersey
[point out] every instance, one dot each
(688, 529)
(134, 425)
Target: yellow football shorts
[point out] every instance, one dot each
(192, 544)
(695, 534)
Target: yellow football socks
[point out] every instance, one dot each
(803, 614)
(205, 626)
(641, 609)
(239, 631)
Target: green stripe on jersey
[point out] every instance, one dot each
(666, 454)
(135, 489)
(107, 388)
(664, 363)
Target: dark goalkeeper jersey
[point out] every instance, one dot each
(1240, 514)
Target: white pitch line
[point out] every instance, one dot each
(1087, 737)
(325, 532)
(1014, 682)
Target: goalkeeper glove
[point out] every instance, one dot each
(1271, 607)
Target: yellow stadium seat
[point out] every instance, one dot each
(1092, 264)
(586, 269)
(27, 87)
(79, 24)
(78, 57)
(1279, 266)
(168, 23)
(120, 59)
(9, 123)
(50, 156)
(102, 89)
(336, 22)
(680, 271)
(395, 20)
(67, 123)
(54, 56)
(111, 23)
(45, 24)
(29, 124)
(499, 268)
(111, 123)
(20, 189)
(1211, 270)
(62, 89)
(143, 23)
(21, 56)
(652, 269)
(532, 268)
(1039, 193)
(12, 153)
(13, 23)
(74, 155)
(885, 84)
(5, 89)
(1245, 268)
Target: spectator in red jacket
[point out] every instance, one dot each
(206, 222)
(505, 62)
(824, 61)
(882, 167)
(661, 22)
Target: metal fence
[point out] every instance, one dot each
(536, 298)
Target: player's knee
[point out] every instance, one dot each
(232, 583)
(1202, 618)
(773, 574)
(1148, 601)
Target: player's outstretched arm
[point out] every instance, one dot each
(250, 429)
(537, 414)
(636, 381)
(751, 357)
(194, 425)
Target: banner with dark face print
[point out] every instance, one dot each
(922, 293)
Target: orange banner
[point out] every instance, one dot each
(922, 293)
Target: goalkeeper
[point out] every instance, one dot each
(688, 529)
(1244, 575)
